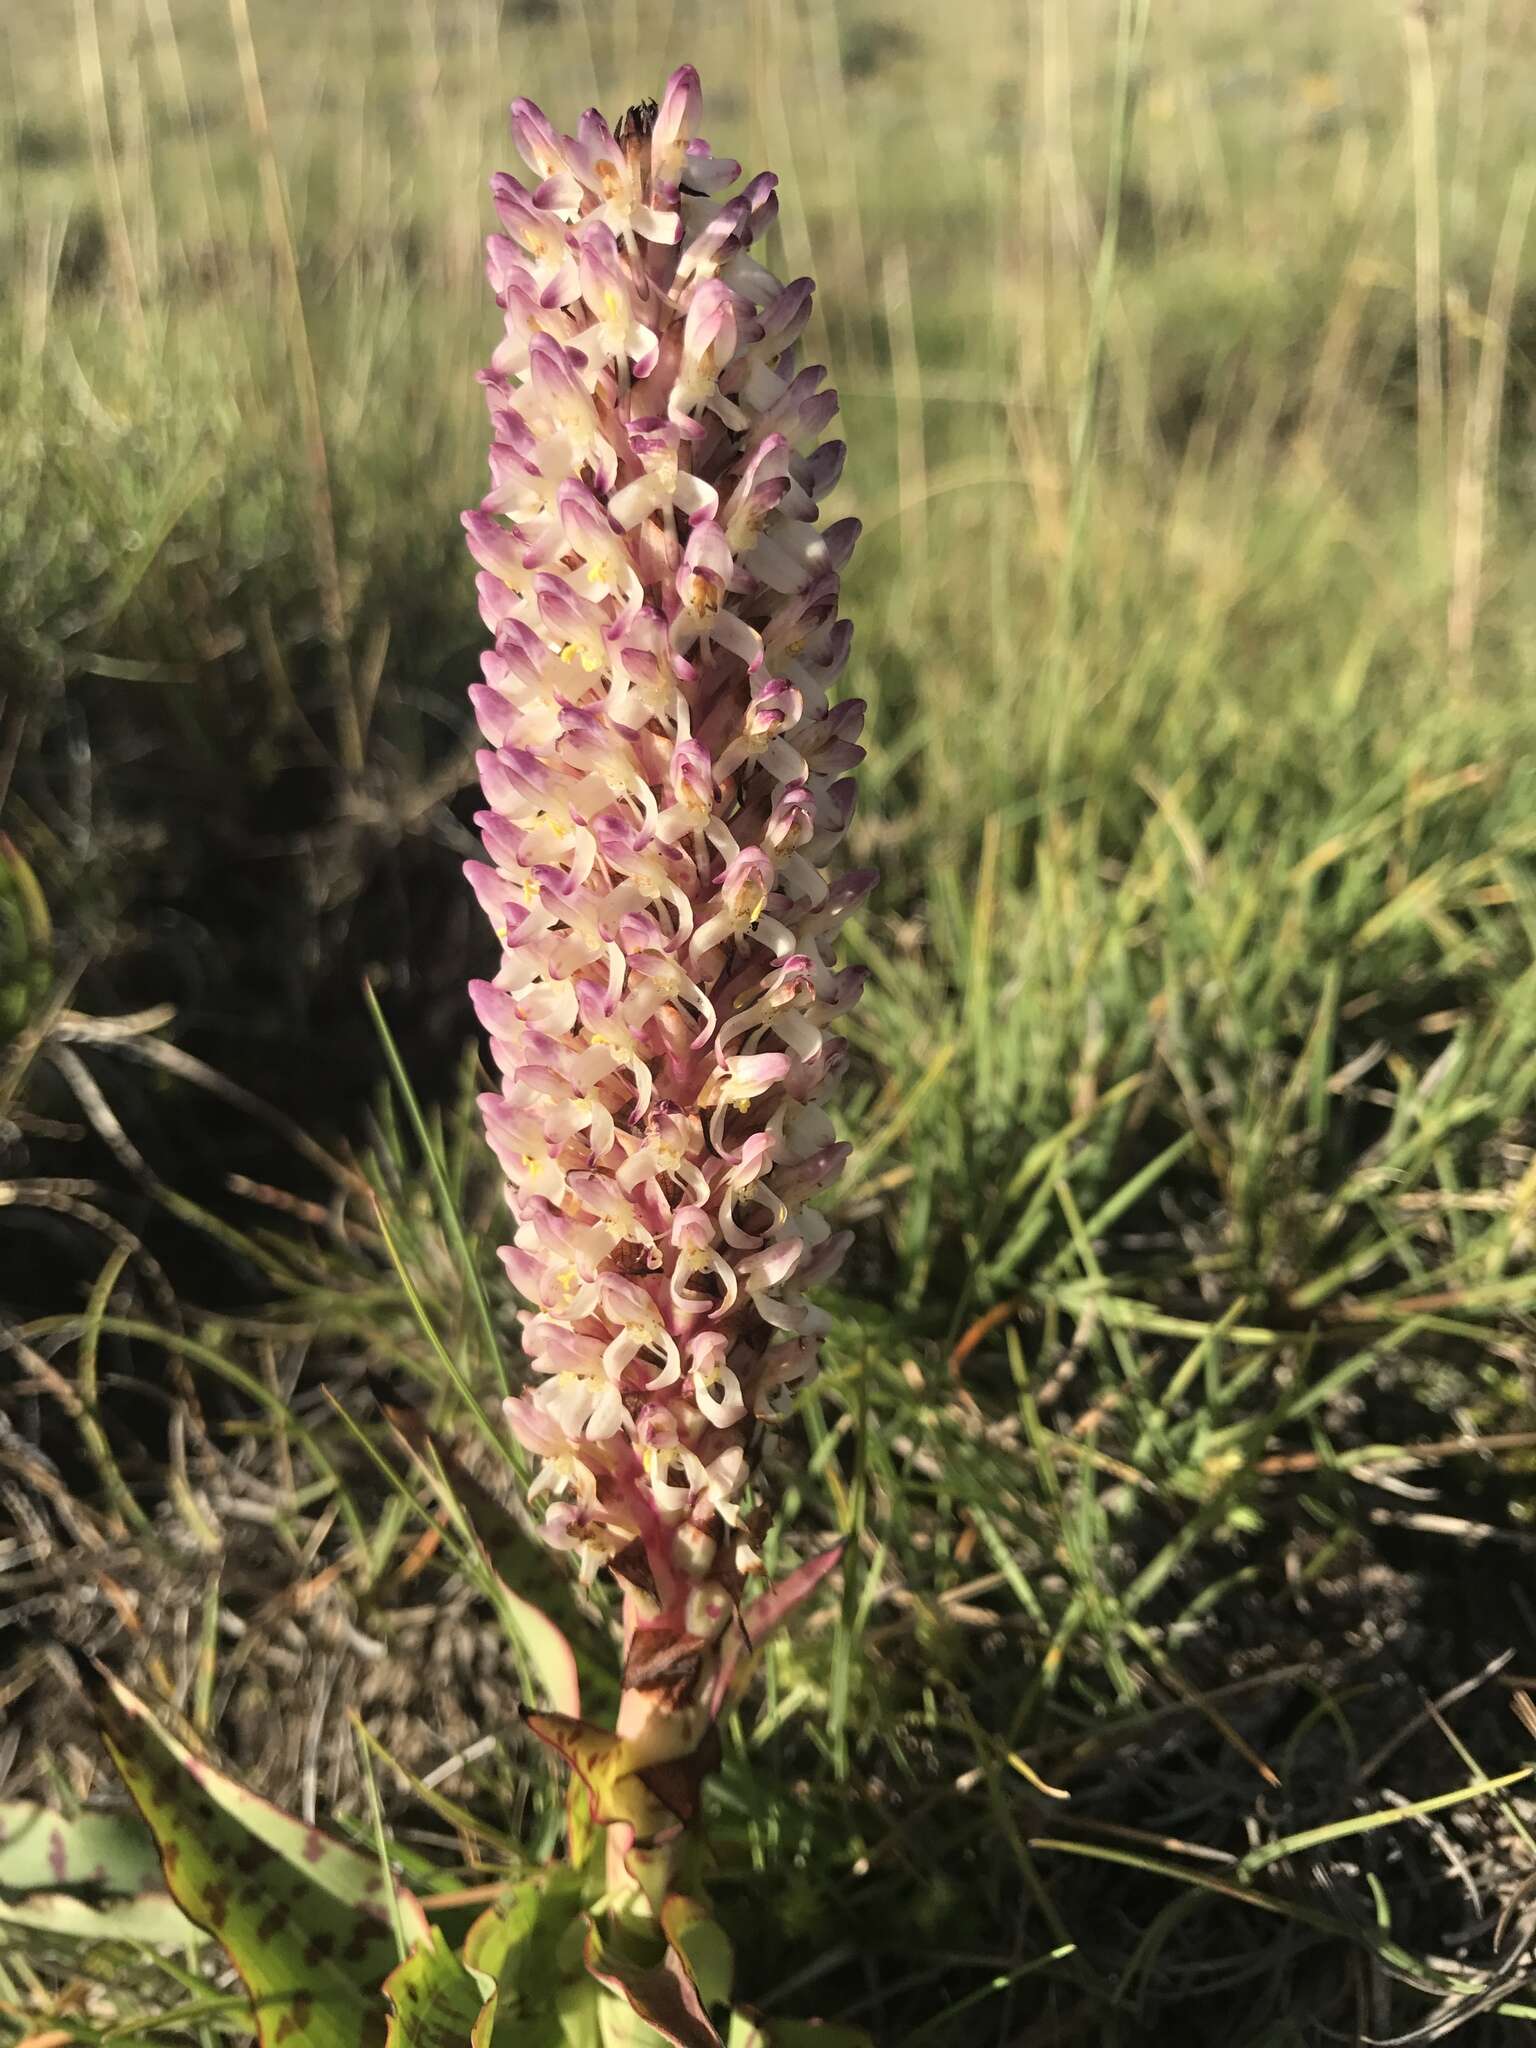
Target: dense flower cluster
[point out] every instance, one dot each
(666, 781)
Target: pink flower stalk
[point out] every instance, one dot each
(667, 783)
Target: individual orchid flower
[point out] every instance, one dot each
(665, 483)
(616, 177)
(679, 157)
(618, 333)
(710, 335)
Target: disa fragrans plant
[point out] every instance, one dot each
(667, 782)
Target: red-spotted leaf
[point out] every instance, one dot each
(41, 1850)
(148, 1920)
(434, 2000)
(304, 1918)
(660, 1994)
(769, 1612)
(87, 1877)
(605, 1764)
(647, 1808)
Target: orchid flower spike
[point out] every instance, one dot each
(666, 785)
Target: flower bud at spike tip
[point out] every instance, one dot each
(667, 785)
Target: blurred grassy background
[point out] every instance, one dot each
(1186, 356)
(1228, 524)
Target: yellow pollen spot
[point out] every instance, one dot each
(608, 178)
(703, 600)
(749, 905)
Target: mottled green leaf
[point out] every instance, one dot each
(305, 1919)
(647, 1806)
(580, 2014)
(435, 2001)
(86, 1876)
(751, 2030)
(702, 1945)
(147, 1920)
(605, 1763)
(41, 1850)
(529, 1946)
(618, 2025)
(661, 1994)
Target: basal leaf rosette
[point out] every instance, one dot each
(667, 782)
